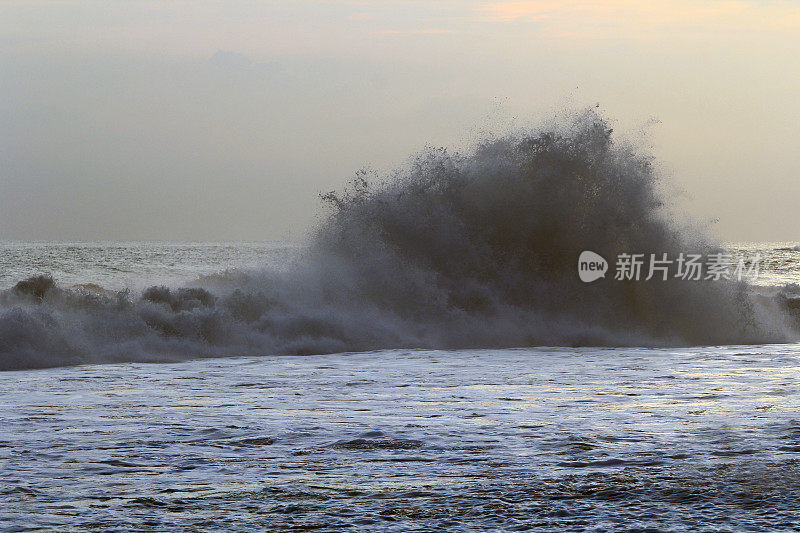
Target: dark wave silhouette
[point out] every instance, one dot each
(472, 250)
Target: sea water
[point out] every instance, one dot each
(402, 440)
(516, 439)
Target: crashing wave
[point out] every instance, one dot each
(469, 250)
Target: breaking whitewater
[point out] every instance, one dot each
(453, 251)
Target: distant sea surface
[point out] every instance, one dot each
(135, 265)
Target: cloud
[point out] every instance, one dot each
(362, 16)
(427, 31)
(225, 60)
(606, 18)
(509, 11)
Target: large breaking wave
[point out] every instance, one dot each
(474, 250)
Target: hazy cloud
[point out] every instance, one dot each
(632, 18)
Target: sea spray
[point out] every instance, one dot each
(470, 250)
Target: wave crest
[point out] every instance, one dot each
(469, 250)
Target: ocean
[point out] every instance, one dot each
(582, 439)
(428, 359)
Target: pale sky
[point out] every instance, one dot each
(178, 120)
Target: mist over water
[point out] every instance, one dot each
(473, 250)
